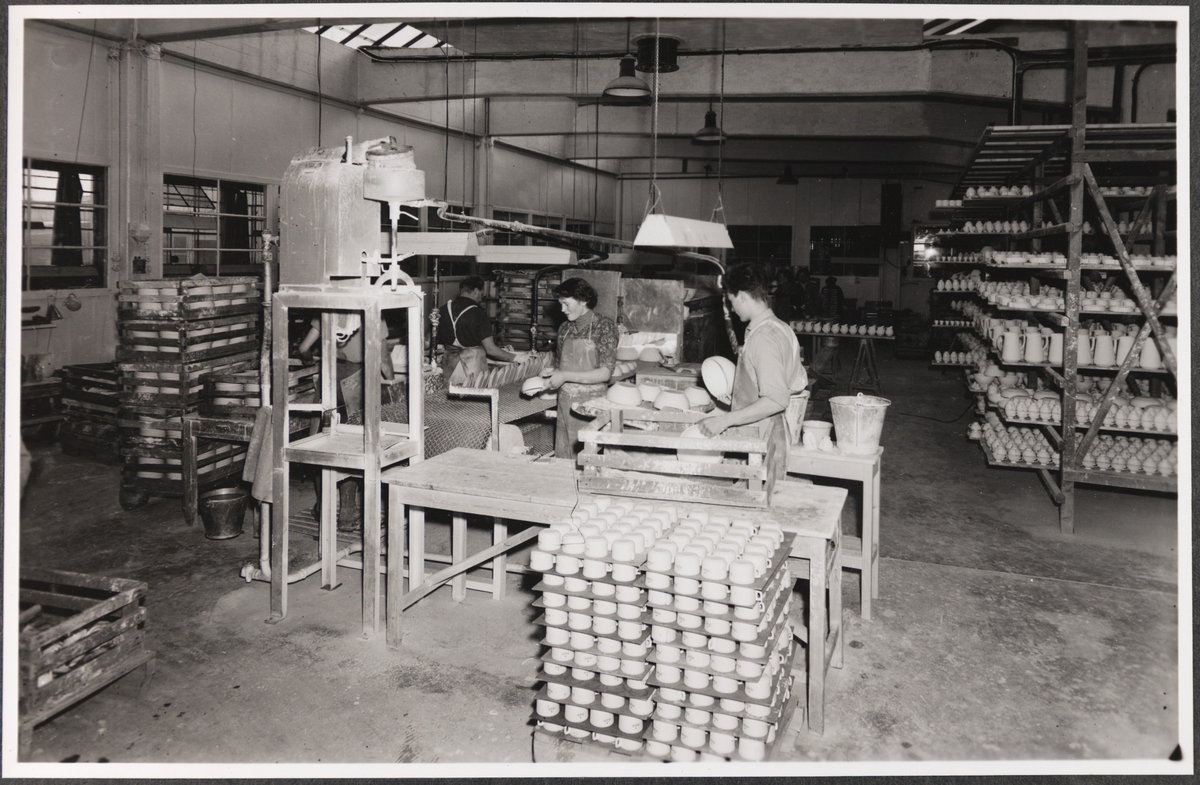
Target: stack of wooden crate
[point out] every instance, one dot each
(171, 333)
(90, 396)
(515, 292)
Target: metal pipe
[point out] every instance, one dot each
(1133, 92)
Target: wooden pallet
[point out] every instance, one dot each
(175, 298)
(645, 464)
(79, 633)
(187, 340)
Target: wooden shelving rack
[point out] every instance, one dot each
(1073, 159)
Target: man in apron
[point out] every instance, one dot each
(587, 353)
(769, 373)
(465, 330)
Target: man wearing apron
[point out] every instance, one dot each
(769, 372)
(587, 353)
(465, 330)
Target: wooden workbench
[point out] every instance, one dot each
(544, 492)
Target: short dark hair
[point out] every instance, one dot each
(831, 281)
(472, 283)
(578, 289)
(747, 277)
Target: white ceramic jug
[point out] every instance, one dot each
(1124, 345)
(1055, 351)
(1035, 347)
(1151, 360)
(1104, 351)
(1012, 347)
(1084, 355)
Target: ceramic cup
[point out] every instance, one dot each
(631, 594)
(759, 689)
(579, 674)
(625, 573)
(659, 558)
(605, 607)
(691, 621)
(687, 564)
(669, 711)
(752, 749)
(697, 659)
(608, 663)
(541, 560)
(582, 696)
(575, 714)
(594, 568)
(665, 731)
(714, 608)
(744, 631)
(744, 595)
(608, 645)
(725, 721)
(553, 599)
(634, 650)
(687, 604)
(694, 640)
(722, 645)
(741, 572)
(633, 668)
(628, 611)
(754, 728)
(711, 590)
(629, 630)
(580, 622)
(562, 655)
(702, 701)
(661, 634)
(697, 680)
(693, 737)
(601, 718)
(689, 587)
(557, 691)
(718, 627)
(641, 706)
(604, 626)
(657, 580)
(577, 603)
(556, 617)
(748, 669)
(547, 708)
(722, 743)
(557, 636)
(553, 668)
(664, 616)
(667, 653)
(575, 584)
(667, 674)
(754, 650)
(723, 664)
(748, 612)
(725, 685)
(629, 724)
(758, 710)
(656, 597)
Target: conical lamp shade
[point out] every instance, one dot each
(788, 178)
(627, 85)
(709, 134)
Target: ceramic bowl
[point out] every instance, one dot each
(717, 373)
(628, 353)
(624, 394)
(672, 399)
(650, 354)
(649, 392)
(697, 397)
(698, 456)
(534, 385)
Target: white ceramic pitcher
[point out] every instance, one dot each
(1104, 351)
(1012, 347)
(1055, 352)
(1151, 360)
(1124, 346)
(1084, 355)
(1036, 345)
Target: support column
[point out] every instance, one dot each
(140, 200)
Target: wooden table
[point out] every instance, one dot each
(861, 553)
(514, 487)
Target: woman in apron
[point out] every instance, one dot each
(587, 353)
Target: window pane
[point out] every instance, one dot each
(508, 238)
(212, 226)
(64, 225)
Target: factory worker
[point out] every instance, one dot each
(587, 353)
(769, 373)
(466, 331)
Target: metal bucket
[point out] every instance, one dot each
(858, 421)
(222, 511)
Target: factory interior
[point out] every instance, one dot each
(758, 390)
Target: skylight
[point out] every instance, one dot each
(401, 36)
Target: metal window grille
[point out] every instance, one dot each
(212, 226)
(64, 238)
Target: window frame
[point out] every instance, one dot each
(257, 217)
(98, 275)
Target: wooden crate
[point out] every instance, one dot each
(90, 439)
(174, 384)
(203, 298)
(187, 340)
(79, 633)
(237, 394)
(627, 461)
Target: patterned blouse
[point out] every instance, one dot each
(600, 329)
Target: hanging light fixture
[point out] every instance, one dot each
(788, 178)
(627, 84)
(710, 134)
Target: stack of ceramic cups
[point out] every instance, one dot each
(719, 594)
(596, 620)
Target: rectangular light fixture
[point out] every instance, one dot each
(668, 231)
(537, 255)
(437, 243)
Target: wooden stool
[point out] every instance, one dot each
(861, 554)
(819, 559)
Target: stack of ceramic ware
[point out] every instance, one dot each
(719, 593)
(815, 327)
(1139, 414)
(596, 620)
(1132, 454)
(951, 323)
(951, 358)
(1039, 407)
(1021, 446)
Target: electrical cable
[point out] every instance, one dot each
(935, 419)
(320, 104)
(651, 199)
(195, 141)
(87, 80)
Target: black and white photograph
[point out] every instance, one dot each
(597, 389)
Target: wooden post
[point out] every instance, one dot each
(372, 328)
(1069, 458)
(280, 474)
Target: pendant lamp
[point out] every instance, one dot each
(627, 84)
(788, 178)
(710, 134)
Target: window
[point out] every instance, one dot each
(579, 227)
(212, 226)
(508, 238)
(64, 226)
(547, 221)
(770, 246)
(858, 246)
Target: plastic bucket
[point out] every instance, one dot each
(222, 511)
(858, 420)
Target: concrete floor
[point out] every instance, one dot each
(995, 637)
